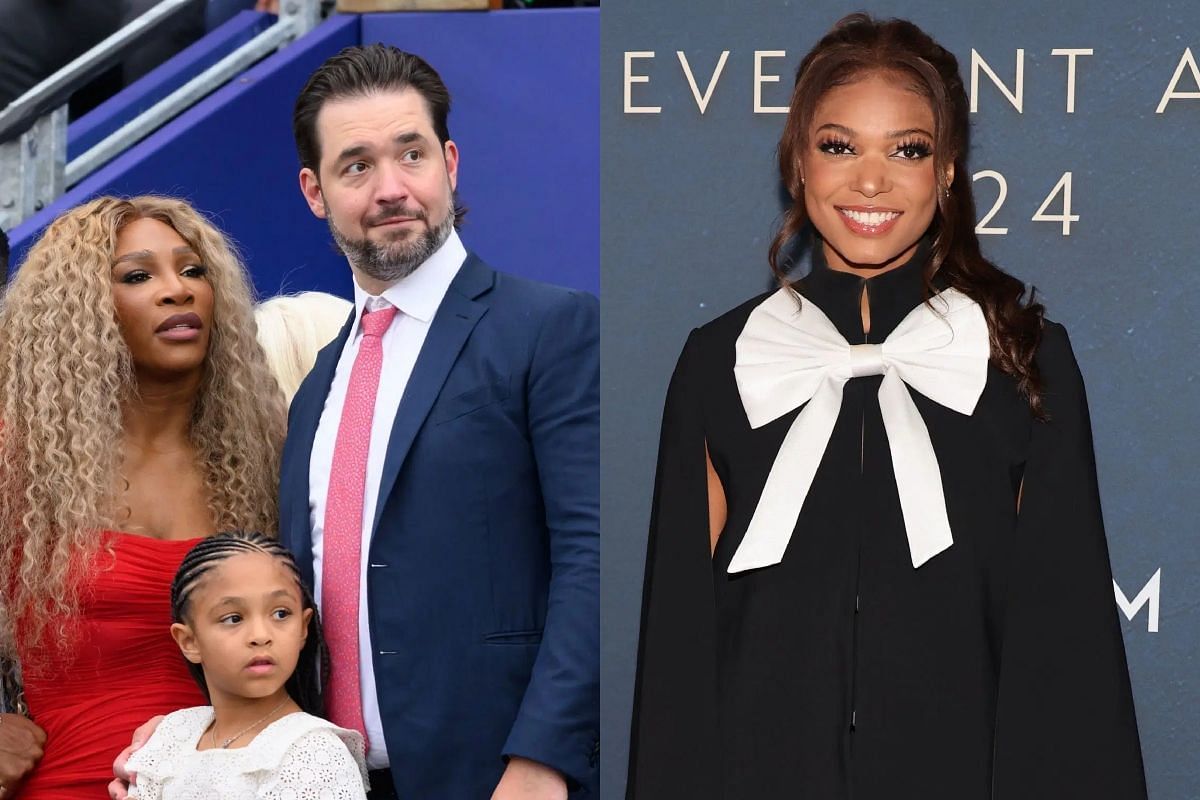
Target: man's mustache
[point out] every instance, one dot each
(388, 214)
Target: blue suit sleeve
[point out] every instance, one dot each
(558, 721)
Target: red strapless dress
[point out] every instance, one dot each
(125, 668)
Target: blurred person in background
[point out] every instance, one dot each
(39, 37)
(293, 328)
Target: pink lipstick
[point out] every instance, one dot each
(180, 327)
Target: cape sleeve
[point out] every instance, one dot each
(1065, 724)
(673, 749)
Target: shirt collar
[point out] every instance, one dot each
(893, 294)
(419, 294)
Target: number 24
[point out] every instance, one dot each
(1062, 187)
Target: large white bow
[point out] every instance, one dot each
(790, 353)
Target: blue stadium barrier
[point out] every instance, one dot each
(124, 106)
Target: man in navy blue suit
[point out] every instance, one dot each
(478, 570)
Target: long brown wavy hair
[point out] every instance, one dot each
(66, 377)
(856, 47)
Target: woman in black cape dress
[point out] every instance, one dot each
(994, 670)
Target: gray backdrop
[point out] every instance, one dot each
(690, 201)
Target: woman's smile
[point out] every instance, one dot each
(869, 221)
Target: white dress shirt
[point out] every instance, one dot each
(417, 297)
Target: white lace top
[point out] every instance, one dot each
(296, 757)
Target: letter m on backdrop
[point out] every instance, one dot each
(1149, 595)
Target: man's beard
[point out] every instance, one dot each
(396, 258)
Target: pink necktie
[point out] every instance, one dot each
(342, 543)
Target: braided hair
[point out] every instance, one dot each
(306, 685)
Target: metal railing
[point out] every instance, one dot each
(33, 129)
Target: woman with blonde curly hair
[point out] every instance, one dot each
(137, 415)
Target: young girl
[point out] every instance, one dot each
(250, 632)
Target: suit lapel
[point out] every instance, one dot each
(456, 317)
(305, 415)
